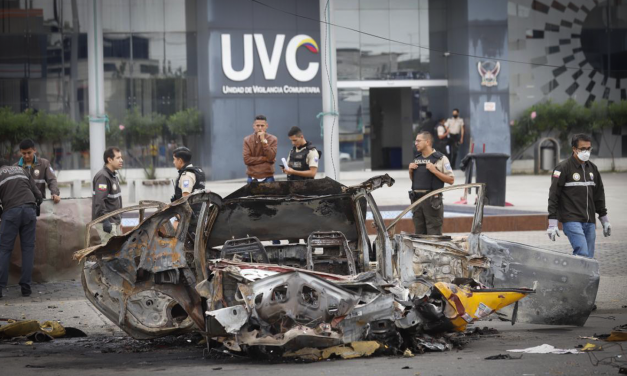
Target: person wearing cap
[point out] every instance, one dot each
(40, 169)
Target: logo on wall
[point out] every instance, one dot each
(270, 63)
(488, 71)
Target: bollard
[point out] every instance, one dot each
(76, 188)
(132, 194)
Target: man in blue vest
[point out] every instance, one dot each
(429, 171)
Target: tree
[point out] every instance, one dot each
(604, 116)
(184, 123)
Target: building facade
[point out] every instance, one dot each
(397, 61)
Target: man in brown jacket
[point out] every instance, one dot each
(260, 152)
(39, 168)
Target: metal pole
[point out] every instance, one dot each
(330, 120)
(97, 117)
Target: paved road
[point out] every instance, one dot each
(107, 350)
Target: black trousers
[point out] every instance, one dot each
(454, 146)
(20, 220)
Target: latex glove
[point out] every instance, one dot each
(107, 227)
(607, 227)
(552, 230)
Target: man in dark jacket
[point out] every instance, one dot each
(107, 195)
(576, 194)
(19, 198)
(40, 169)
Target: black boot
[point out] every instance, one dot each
(26, 291)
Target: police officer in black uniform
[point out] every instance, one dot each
(20, 198)
(302, 164)
(107, 195)
(429, 171)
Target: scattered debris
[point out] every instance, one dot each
(545, 349)
(590, 338)
(19, 328)
(503, 356)
(591, 347)
(408, 354)
(352, 350)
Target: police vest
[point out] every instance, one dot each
(423, 179)
(200, 180)
(298, 160)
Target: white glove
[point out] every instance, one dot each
(607, 227)
(552, 230)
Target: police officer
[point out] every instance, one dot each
(429, 171)
(40, 169)
(302, 163)
(19, 197)
(107, 195)
(190, 177)
(576, 194)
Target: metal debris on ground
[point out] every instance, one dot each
(503, 356)
(324, 289)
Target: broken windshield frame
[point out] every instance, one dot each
(477, 220)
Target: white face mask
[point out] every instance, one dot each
(583, 155)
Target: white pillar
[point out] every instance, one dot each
(330, 119)
(97, 139)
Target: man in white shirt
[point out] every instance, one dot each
(455, 126)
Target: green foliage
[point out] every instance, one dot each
(566, 118)
(185, 122)
(143, 129)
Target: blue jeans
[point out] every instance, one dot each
(268, 180)
(19, 220)
(581, 236)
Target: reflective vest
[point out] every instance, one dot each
(423, 179)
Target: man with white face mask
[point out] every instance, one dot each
(576, 194)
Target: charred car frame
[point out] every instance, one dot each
(290, 265)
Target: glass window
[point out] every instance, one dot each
(346, 4)
(404, 4)
(147, 16)
(375, 51)
(347, 45)
(174, 14)
(116, 16)
(405, 58)
(374, 4)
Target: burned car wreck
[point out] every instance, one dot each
(290, 266)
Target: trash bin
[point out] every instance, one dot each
(547, 157)
(491, 170)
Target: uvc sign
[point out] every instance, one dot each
(270, 64)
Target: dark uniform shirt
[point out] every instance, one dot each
(576, 192)
(17, 188)
(42, 174)
(107, 195)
